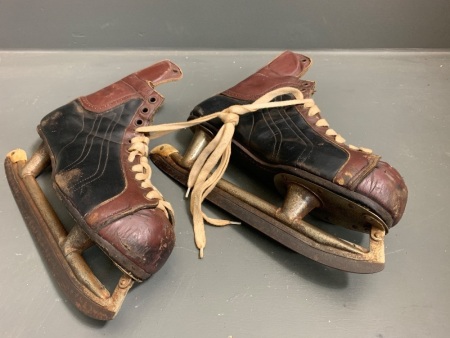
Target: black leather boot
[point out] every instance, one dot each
(99, 169)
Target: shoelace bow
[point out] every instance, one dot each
(212, 162)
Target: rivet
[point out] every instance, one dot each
(377, 235)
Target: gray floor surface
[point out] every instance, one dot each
(395, 102)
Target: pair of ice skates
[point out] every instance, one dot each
(97, 146)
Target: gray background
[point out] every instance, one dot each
(206, 24)
(382, 70)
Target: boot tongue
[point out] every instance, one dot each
(283, 71)
(161, 72)
(289, 64)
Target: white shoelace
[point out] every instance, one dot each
(139, 147)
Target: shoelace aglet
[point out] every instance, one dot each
(235, 223)
(200, 255)
(187, 192)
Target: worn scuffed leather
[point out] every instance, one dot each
(88, 141)
(287, 139)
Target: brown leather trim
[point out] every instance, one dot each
(358, 166)
(135, 85)
(161, 72)
(284, 70)
(108, 97)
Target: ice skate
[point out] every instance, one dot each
(100, 171)
(276, 129)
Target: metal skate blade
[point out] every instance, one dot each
(285, 223)
(62, 251)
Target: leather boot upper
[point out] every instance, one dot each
(88, 141)
(288, 137)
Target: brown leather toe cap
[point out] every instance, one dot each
(145, 239)
(385, 186)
